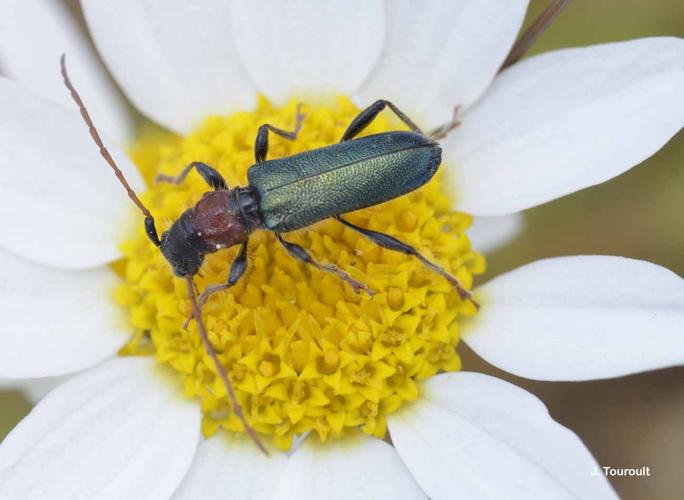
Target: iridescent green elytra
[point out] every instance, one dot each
(299, 190)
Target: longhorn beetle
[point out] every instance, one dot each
(287, 194)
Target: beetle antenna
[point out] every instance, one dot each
(197, 312)
(149, 220)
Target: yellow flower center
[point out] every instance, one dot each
(305, 353)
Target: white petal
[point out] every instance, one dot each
(566, 120)
(441, 54)
(488, 234)
(35, 389)
(59, 201)
(55, 321)
(174, 59)
(308, 47)
(122, 430)
(581, 318)
(480, 437)
(231, 467)
(33, 36)
(357, 467)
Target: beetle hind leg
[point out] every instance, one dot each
(261, 143)
(299, 253)
(365, 117)
(391, 243)
(443, 130)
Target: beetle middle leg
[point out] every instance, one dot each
(299, 253)
(261, 143)
(209, 174)
(391, 243)
(365, 117)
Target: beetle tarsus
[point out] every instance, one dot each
(357, 286)
(443, 130)
(462, 292)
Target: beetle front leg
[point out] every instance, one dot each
(237, 270)
(261, 143)
(391, 243)
(299, 253)
(209, 174)
(365, 117)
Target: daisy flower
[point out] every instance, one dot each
(366, 395)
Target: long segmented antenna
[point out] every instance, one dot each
(152, 233)
(539, 26)
(197, 312)
(149, 220)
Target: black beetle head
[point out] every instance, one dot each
(181, 252)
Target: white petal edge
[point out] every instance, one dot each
(580, 318)
(485, 438)
(566, 120)
(231, 466)
(307, 48)
(488, 234)
(33, 389)
(56, 321)
(59, 200)
(121, 430)
(33, 36)
(357, 467)
(175, 60)
(441, 54)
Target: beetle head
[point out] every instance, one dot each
(182, 248)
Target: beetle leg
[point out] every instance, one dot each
(365, 117)
(209, 174)
(443, 130)
(299, 253)
(391, 243)
(237, 270)
(261, 143)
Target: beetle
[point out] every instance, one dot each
(290, 193)
(297, 191)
